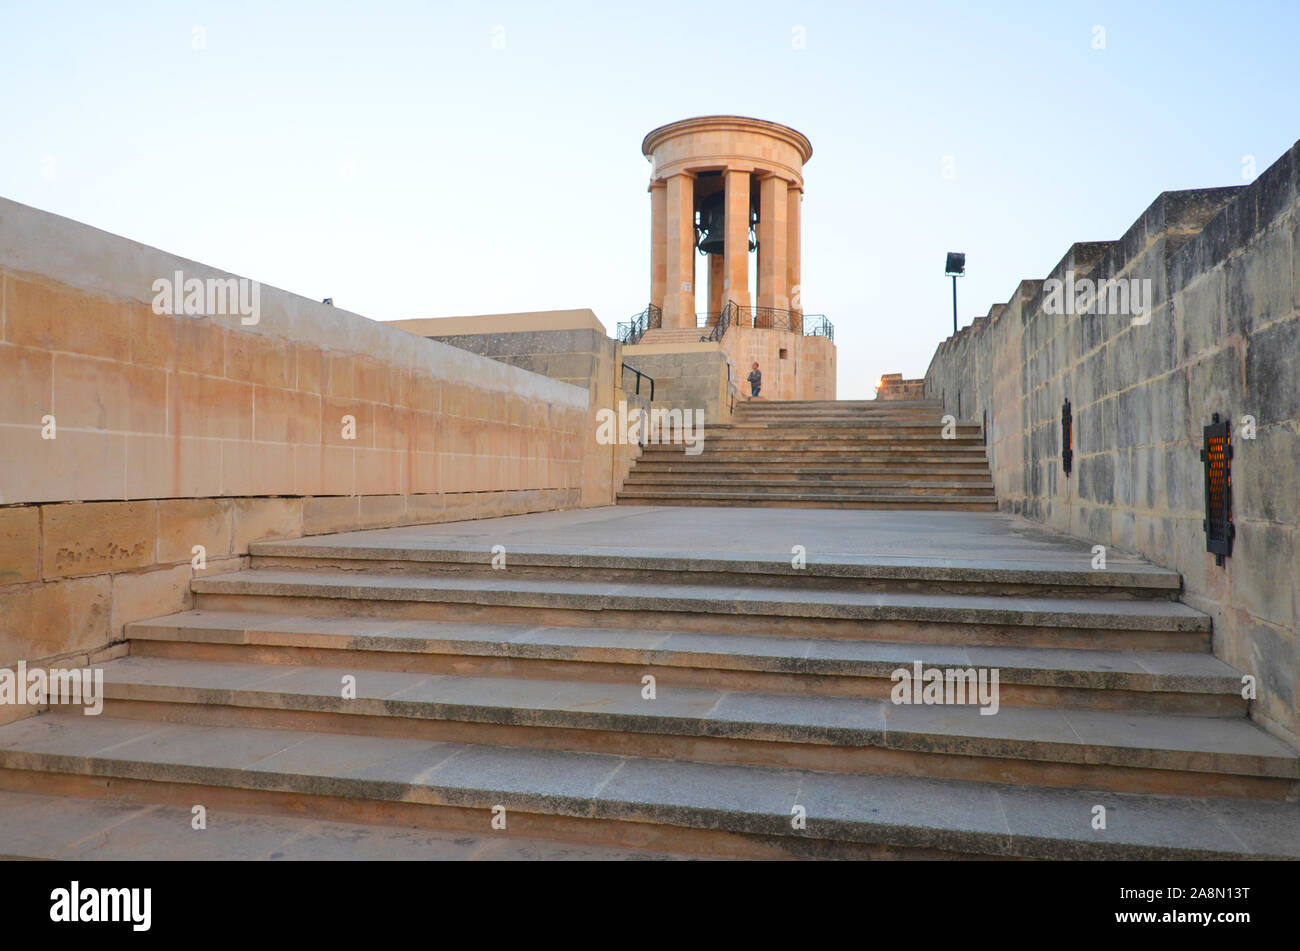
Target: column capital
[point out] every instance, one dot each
(662, 181)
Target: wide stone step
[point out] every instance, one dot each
(65, 828)
(832, 423)
(860, 405)
(842, 428)
(843, 487)
(629, 801)
(901, 463)
(1149, 681)
(947, 452)
(1050, 570)
(854, 439)
(809, 499)
(800, 612)
(746, 411)
(830, 472)
(815, 448)
(1118, 750)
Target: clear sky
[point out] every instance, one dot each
(429, 159)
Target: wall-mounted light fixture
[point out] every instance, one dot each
(1067, 438)
(1216, 454)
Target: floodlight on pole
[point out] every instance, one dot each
(955, 268)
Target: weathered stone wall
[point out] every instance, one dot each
(1223, 336)
(894, 387)
(172, 432)
(794, 367)
(694, 378)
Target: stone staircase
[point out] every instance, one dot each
(821, 454)
(525, 688)
(672, 335)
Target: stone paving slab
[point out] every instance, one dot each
(901, 810)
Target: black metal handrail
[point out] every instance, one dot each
(721, 324)
(639, 374)
(630, 331)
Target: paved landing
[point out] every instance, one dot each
(987, 540)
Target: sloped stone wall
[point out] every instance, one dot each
(1222, 335)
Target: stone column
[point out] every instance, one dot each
(794, 199)
(679, 294)
(717, 300)
(658, 241)
(736, 249)
(772, 236)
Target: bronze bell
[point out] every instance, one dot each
(711, 231)
(712, 226)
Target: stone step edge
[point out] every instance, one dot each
(287, 631)
(896, 473)
(942, 448)
(911, 569)
(493, 706)
(903, 831)
(59, 828)
(320, 584)
(922, 502)
(695, 498)
(665, 478)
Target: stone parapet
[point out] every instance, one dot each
(137, 444)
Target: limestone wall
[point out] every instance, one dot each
(894, 387)
(171, 432)
(570, 346)
(1223, 336)
(794, 367)
(691, 376)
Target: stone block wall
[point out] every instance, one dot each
(794, 367)
(894, 387)
(692, 377)
(581, 354)
(171, 432)
(1223, 336)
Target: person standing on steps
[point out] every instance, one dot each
(755, 381)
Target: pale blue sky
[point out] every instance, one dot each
(387, 155)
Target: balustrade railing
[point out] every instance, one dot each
(630, 331)
(763, 318)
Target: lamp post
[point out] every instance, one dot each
(955, 268)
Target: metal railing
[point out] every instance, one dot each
(816, 325)
(630, 331)
(721, 324)
(759, 318)
(639, 374)
(763, 318)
